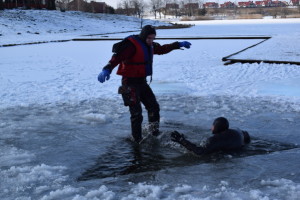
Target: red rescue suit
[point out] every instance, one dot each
(135, 60)
(140, 64)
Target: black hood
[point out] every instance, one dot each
(147, 30)
(220, 124)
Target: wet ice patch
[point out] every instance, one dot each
(277, 189)
(31, 180)
(257, 194)
(284, 188)
(65, 192)
(145, 191)
(95, 117)
(183, 189)
(10, 156)
(101, 194)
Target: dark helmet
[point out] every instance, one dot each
(147, 30)
(220, 124)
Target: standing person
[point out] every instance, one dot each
(134, 55)
(223, 139)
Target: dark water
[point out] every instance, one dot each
(126, 157)
(85, 145)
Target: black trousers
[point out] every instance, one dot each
(135, 92)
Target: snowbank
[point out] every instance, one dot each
(25, 26)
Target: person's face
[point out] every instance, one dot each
(149, 39)
(212, 128)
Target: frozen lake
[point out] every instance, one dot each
(66, 136)
(72, 150)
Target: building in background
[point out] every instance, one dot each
(63, 5)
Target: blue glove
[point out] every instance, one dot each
(185, 44)
(104, 75)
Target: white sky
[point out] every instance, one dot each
(112, 3)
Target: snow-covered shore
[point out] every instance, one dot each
(25, 26)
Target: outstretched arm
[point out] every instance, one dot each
(164, 49)
(179, 138)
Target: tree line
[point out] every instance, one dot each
(63, 5)
(193, 9)
(28, 4)
(161, 7)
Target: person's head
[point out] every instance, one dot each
(148, 34)
(219, 125)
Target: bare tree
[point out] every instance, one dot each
(275, 12)
(284, 12)
(164, 10)
(139, 7)
(156, 6)
(51, 5)
(63, 4)
(126, 6)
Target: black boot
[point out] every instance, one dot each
(154, 128)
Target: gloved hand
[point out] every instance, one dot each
(185, 44)
(104, 75)
(177, 137)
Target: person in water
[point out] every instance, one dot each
(223, 139)
(134, 55)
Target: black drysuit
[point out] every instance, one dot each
(231, 139)
(138, 91)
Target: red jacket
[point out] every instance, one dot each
(136, 59)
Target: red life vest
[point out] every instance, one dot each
(140, 65)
